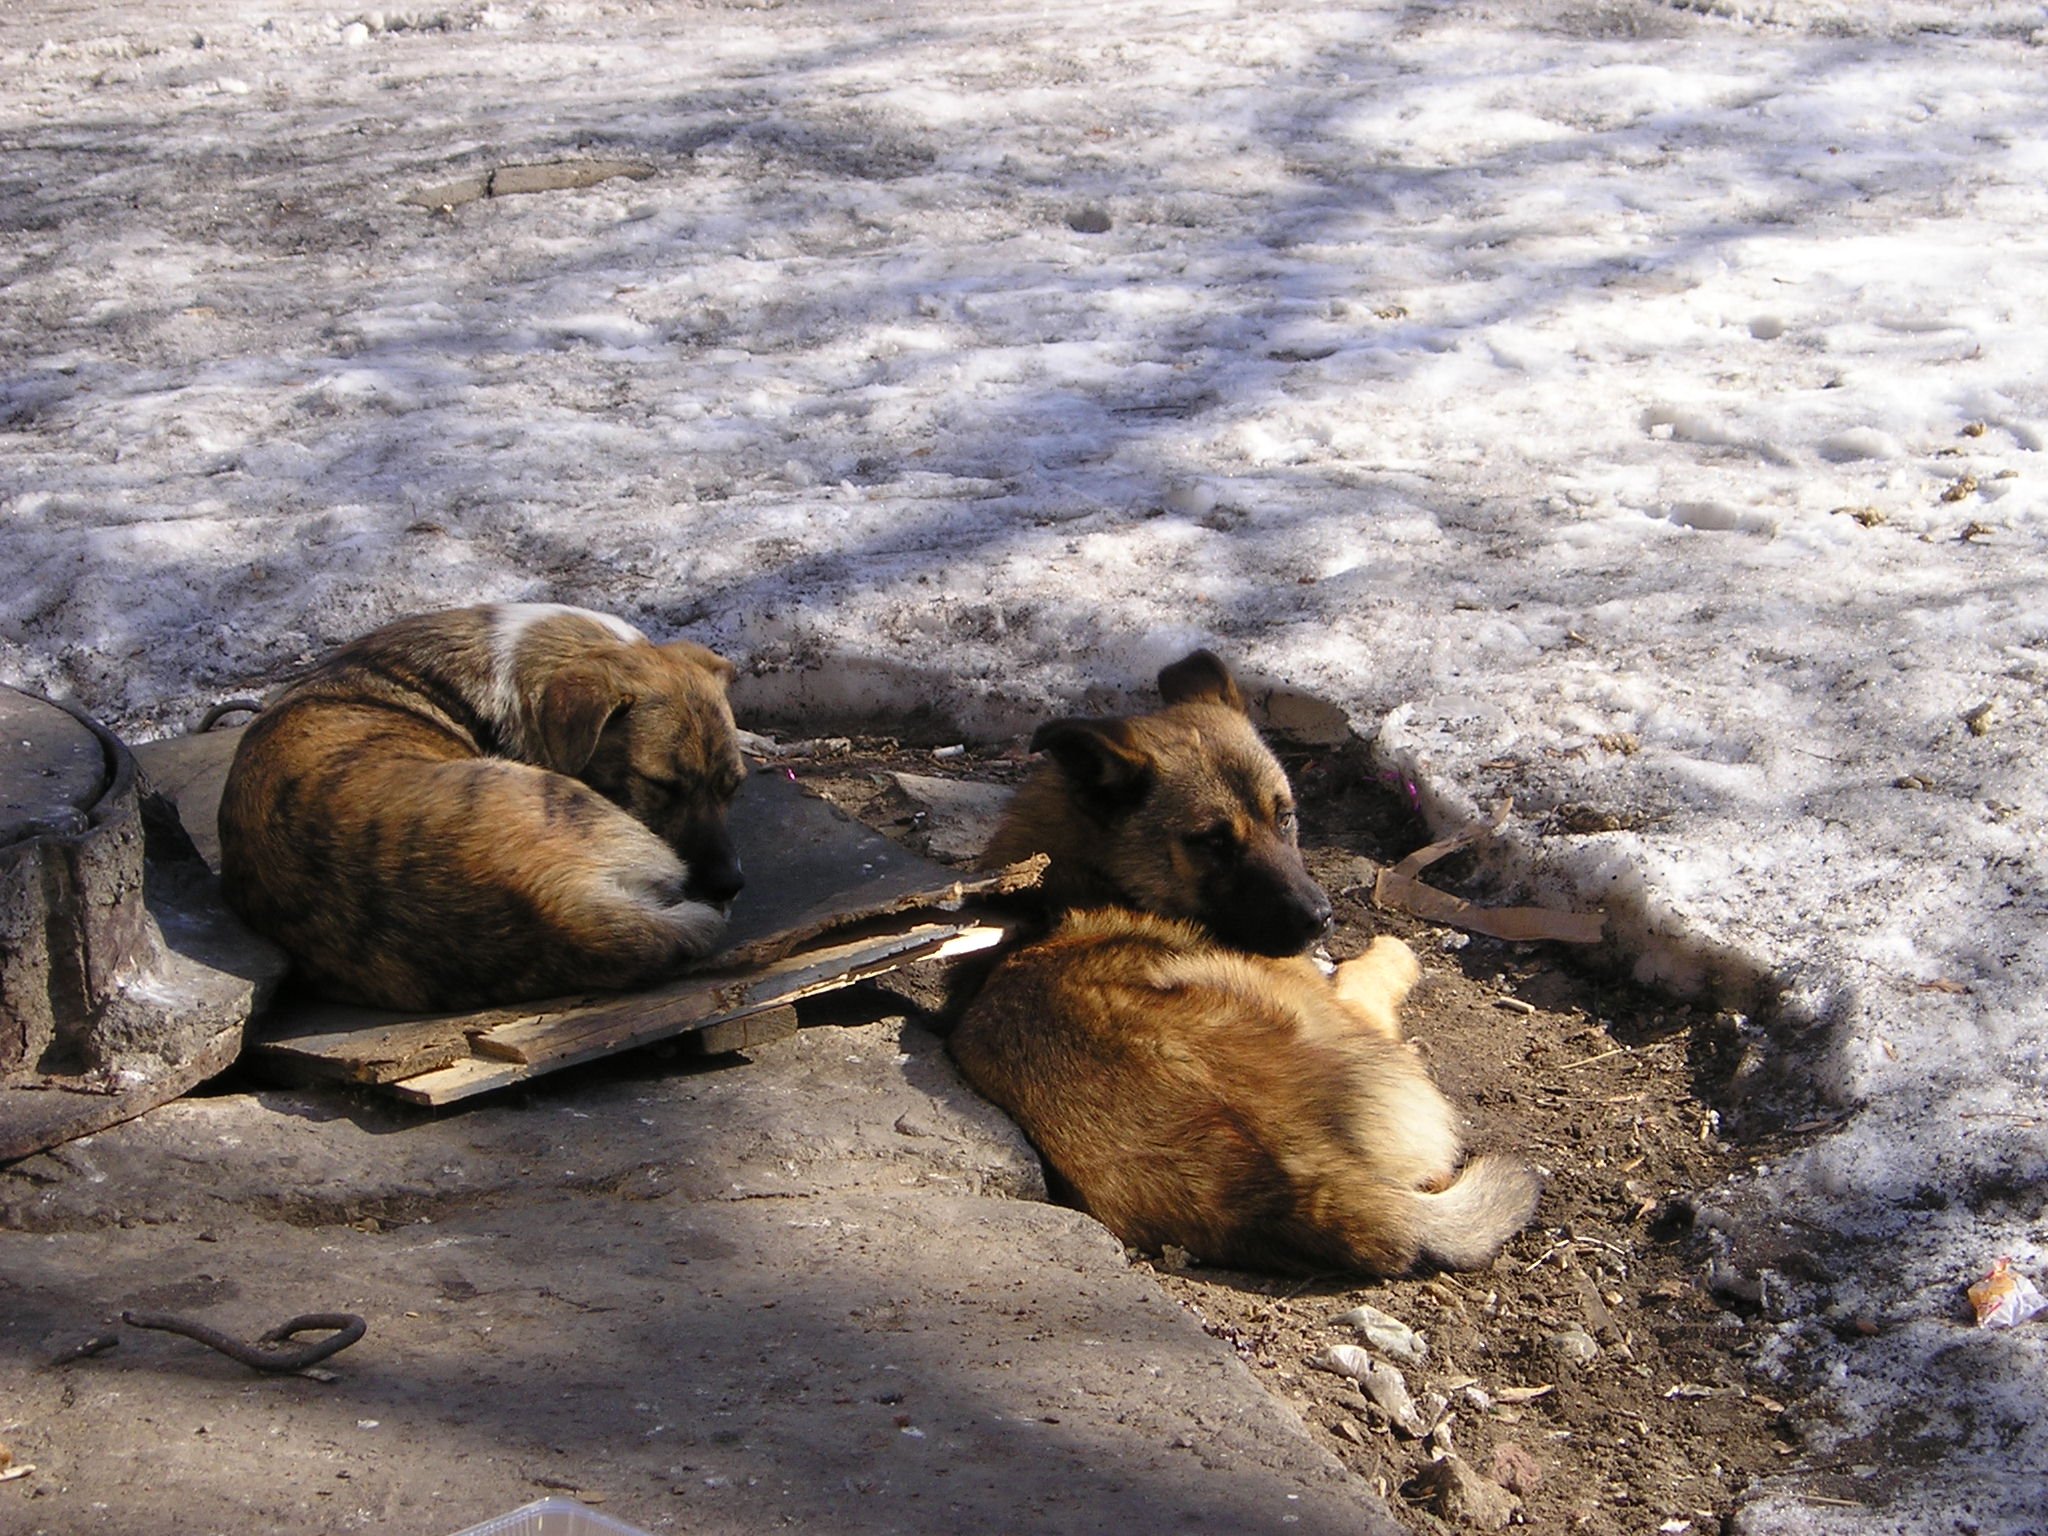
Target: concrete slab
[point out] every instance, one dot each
(810, 1291)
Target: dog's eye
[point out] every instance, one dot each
(1286, 823)
(1219, 841)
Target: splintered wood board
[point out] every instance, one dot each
(522, 1048)
(828, 902)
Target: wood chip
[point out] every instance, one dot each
(1399, 889)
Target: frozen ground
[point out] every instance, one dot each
(1639, 409)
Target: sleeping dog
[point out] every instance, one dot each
(487, 805)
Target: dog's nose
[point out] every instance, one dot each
(1316, 919)
(717, 883)
(1322, 910)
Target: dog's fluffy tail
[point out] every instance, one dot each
(1466, 1225)
(655, 908)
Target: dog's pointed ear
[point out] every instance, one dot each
(721, 670)
(1102, 759)
(1200, 678)
(575, 707)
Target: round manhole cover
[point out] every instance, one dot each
(53, 770)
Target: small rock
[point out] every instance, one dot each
(1389, 1335)
(1515, 1469)
(1434, 1409)
(1574, 1345)
(1462, 1496)
(1090, 220)
(960, 815)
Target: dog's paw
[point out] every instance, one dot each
(1374, 985)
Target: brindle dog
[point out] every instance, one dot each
(1191, 1077)
(487, 805)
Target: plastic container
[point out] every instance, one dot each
(554, 1517)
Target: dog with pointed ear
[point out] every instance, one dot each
(1189, 1077)
(1183, 813)
(488, 805)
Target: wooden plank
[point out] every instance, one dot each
(340, 1042)
(763, 1028)
(631, 1016)
(528, 1050)
(337, 1042)
(376, 1054)
(814, 876)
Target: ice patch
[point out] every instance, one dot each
(1859, 443)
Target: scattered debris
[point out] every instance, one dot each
(1399, 889)
(2005, 1298)
(509, 180)
(1979, 719)
(1347, 1360)
(768, 749)
(1389, 1335)
(1384, 1387)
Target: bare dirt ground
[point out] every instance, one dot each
(1591, 1372)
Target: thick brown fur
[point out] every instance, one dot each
(488, 805)
(1190, 1077)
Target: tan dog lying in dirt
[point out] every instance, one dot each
(1190, 1077)
(486, 805)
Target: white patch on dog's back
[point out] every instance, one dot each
(509, 623)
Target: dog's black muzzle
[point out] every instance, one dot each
(714, 867)
(1270, 906)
